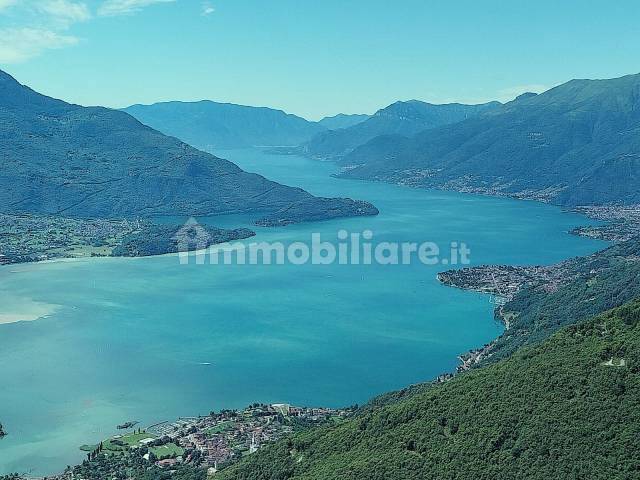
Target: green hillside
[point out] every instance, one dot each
(568, 408)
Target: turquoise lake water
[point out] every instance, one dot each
(150, 340)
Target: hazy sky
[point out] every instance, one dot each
(316, 57)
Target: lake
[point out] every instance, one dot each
(150, 339)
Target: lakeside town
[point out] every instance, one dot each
(503, 282)
(622, 222)
(215, 440)
(195, 444)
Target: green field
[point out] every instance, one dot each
(133, 439)
(221, 427)
(167, 451)
(111, 445)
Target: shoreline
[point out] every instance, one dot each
(222, 437)
(506, 282)
(503, 282)
(619, 222)
(606, 214)
(27, 310)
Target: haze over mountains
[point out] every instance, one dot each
(210, 125)
(343, 120)
(66, 159)
(575, 144)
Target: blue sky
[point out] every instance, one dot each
(312, 58)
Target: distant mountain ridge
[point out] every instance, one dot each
(576, 144)
(210, 125)
(400, 118)
(94, 162)
(343, 120)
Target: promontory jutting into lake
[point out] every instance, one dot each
(386, 285)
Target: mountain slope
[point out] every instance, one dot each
(343, 120)
(569, 408)
(210, 125)
(400, 118)
(578, 143)
(59, 158)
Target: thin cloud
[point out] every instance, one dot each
(207, 9)
(20, 44)
(65, 12)
(111, 8)
(45, 24)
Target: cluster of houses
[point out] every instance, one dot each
(219, 438)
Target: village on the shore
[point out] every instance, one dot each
(212, 442)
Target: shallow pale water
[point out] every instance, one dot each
(150, 339)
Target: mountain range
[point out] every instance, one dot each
(210, 125)
(400, 118)
(216, 126)
(576, 144)
(59, 158)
